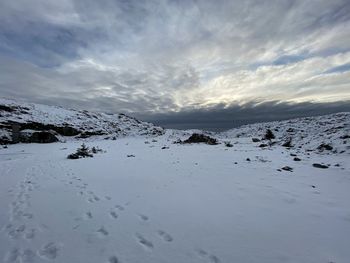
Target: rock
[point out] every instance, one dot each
(228, 144)
(38, 137)
(296, 159)
(248, 159)
(255, 140)
(287, 168)
(43, 137)
(288, 143)
(322, 166)
(201, 138)
(263, 145)
(324, 146)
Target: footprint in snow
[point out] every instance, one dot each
(119, 207)
(88, 215)
(113, 259)
(28, 256)
(143, 217)
(102, 231)
(211, 258)
(113, 214)
(165, 236)
(144, 242)
(49, 251)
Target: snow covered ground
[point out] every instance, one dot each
(189, 203)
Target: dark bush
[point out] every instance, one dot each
(228, 144)
(269, 135)
(82, 152)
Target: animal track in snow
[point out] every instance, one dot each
(119, 207)
(49, 251)
(113, 259)
(114, 214)
(143, 217)
(144, 242)
(165, 236)
(211, 258)
(12, 256)
(102, 231)
(88, 215)
(30, 234)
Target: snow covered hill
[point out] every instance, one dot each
(67, 123)
(322, 134)
(239, 198)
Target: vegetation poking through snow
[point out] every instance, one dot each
(269, 135)
(84, 152)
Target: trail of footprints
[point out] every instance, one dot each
(21, 225)
(17, 229)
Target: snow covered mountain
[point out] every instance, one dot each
(240, 196)
(55, 122)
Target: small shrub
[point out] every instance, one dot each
(228, 144)
(269, 135)
(84, 152)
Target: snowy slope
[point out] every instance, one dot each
(306, 133)
(146, 199)
(84, 122)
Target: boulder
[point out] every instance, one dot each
(201, 138)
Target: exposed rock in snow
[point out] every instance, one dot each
(63, 123)
(323, 134)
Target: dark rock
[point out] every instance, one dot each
(248, 159)
(263, 145)
(228, 144)
(287, 168)
(165, 147)
(7, 108)
(201, 138)
(322, 166)
(255, 140)
(130, 155)
(87, 134)
(297, 159)
(39, 137)
(288, 143)
(62, 130)
(293, 154)
(324, 146)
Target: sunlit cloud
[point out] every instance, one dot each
(172, 56)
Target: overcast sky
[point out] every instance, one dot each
(178, 58)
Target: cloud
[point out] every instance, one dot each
(220, 117)
(165, 56)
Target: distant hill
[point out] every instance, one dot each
(30, 122)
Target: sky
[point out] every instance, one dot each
(179, 63)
